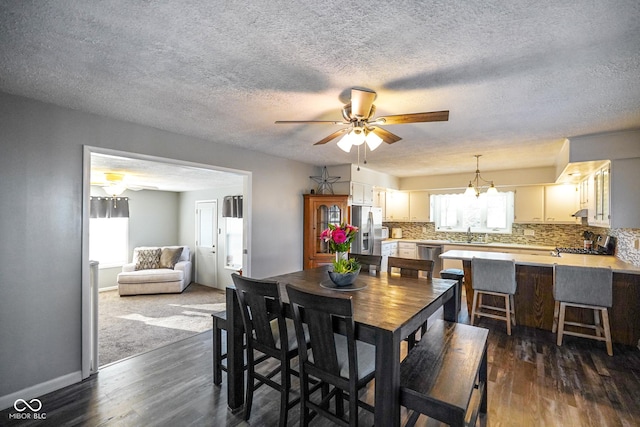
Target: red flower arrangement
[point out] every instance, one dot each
(339, 236)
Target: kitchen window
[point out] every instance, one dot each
(483, 214)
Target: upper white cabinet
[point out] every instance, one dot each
(419, 206)
(529, 204)
(361, 194)
(397, 206)
(550, 204)
(560, 202)
(380, 201)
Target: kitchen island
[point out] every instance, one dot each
(534, 296)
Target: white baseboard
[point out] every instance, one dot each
(40, 390)
(109, 288)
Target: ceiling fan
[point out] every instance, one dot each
(362, 127)
(114, 184)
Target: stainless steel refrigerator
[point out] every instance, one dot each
(369, 237)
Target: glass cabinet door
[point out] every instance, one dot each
(326, 215)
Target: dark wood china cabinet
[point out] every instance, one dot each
(320, 210)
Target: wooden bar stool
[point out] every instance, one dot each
(586, 288)
(497, 278)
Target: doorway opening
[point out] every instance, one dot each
(148, 179)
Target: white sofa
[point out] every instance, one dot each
(143, 276)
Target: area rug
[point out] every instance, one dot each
(131, 325)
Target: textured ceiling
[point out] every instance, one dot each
(517, 76)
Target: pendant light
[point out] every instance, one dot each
(475, 185)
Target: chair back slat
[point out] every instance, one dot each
(260, 304)
(368, 262)
(410, 267)
(320, 313)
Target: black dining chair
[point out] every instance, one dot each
(336, 360)
(267, 332)
(368, 262)
(411, 268)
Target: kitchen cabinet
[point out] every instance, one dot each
(529, 204)
(550, 204)
(320, 210)
(419, 206)
(380, 201)
(397, 206)
(407, 250)
(599, 214)
(388, 248)
(560, 202)
(361, 194)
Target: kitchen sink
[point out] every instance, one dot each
(463, 242)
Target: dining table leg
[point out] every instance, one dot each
(235, 353)
(387, 384)
(450, 305)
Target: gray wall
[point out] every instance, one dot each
(41, 228)
(153, 221)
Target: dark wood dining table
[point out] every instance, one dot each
(386, 310)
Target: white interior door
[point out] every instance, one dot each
(206, 243)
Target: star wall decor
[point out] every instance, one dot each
(325, 182)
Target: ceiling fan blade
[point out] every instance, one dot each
(361, 102)
(386, 136)
(434, 116)
(332, 136)
(322, 122)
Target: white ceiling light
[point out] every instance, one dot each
(115, 186)
(358, 136)
(475, 185)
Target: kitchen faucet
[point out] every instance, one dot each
(469, 236)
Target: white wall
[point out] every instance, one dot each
(41, 228)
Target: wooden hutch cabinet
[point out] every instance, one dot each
(320, 210)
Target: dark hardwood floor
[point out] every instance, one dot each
(532, 382)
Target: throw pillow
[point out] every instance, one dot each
(169, 257)
(148, 259)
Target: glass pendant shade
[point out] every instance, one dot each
(470, 191)
(492, 190)
(345, 143)
(373, 141)
(114, 189)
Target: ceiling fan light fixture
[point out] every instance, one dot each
(345, 143)
(114, 189)
(373, 141)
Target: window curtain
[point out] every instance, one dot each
(232, 207)
(109, 207)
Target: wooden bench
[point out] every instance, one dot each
(445, 375)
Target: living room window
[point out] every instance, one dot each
(109, 241)
(486, 213)
(109, 231)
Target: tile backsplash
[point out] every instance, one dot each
(557, 235)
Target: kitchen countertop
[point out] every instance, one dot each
(542, 260)
(478, 245)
